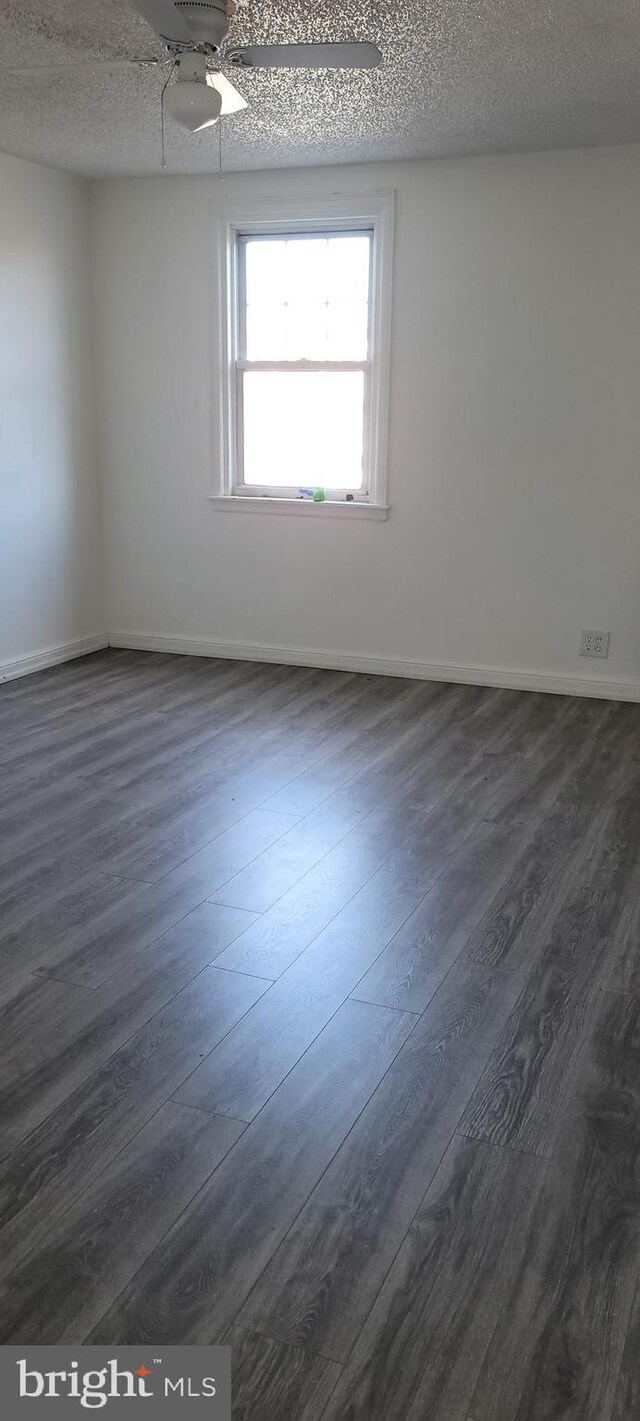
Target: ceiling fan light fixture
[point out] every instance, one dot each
(193, 104)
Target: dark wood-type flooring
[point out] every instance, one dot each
(320, 1034)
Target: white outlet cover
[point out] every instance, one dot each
(593, 643)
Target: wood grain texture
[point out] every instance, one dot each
(44, 1073)
(193, 1286)
(241, 1074)
(559, 1342)
(364, 915)
(623, 956)
(521, 917)
(521, 1094)
(75, 1144)
(115, 946)
(93, 1251)
(30, 1007)
(274, 941)
(554, 749)
(411, 968)
(321, 1283)
(277, 1383)
(272, 873)
(423, 1344)
(627, 1397)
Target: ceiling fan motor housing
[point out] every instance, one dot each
(208, 23)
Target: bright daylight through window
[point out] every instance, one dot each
(304, 354)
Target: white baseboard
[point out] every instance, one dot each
(52, 656)
(599, 687)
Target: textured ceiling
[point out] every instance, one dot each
(458, 76)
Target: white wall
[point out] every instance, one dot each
(51, 591)
(515, 428)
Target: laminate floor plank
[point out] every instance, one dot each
(193, 1285)
(119, 745)
(59, 1292)
(53, 706)
(43, 829)
(627, 1396)
(320, 1285)
(415, 716)
(288, 715)
(215, 690)
(222, 857)
(519, 1100)
(418, 762)
(617, 828)
(559, 1342)
(520, 1096)
(276, 938)
(424, 1341)
(217, 742)
(623, 954)
(281, 934)
(31, 1008)
(275, 1382)
(537, 778)
(89, 935)
(75, 1144)
(55, 902)
(42, 1074)
(278, 870)
(272, 873)
(122, 676)
(145, 842)
(522, 726)
(77, 746)
(42, 803)
(241, 1074)
(128, 840)
(519, 920)
(150, 847)
(409, 971)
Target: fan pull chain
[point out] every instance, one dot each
(220, 172)
(163, 161)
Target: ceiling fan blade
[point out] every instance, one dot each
(164, 19)
(232, 101)
(305, 56)
(51, 70)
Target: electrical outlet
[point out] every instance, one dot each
(594, 644)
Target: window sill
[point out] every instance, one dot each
(300, 507)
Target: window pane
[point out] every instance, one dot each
(348, 334)
(349, 259)
(306, 274)
(266, 333)
(304, 429)
(306, 328)
(265, 265)
(307, 298)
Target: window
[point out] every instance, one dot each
(303, 360)
(306, 356)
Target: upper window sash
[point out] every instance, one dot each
(288, 233)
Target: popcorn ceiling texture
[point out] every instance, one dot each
(459, 77)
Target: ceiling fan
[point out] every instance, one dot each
(195, 34)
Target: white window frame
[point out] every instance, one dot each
(373, 212)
